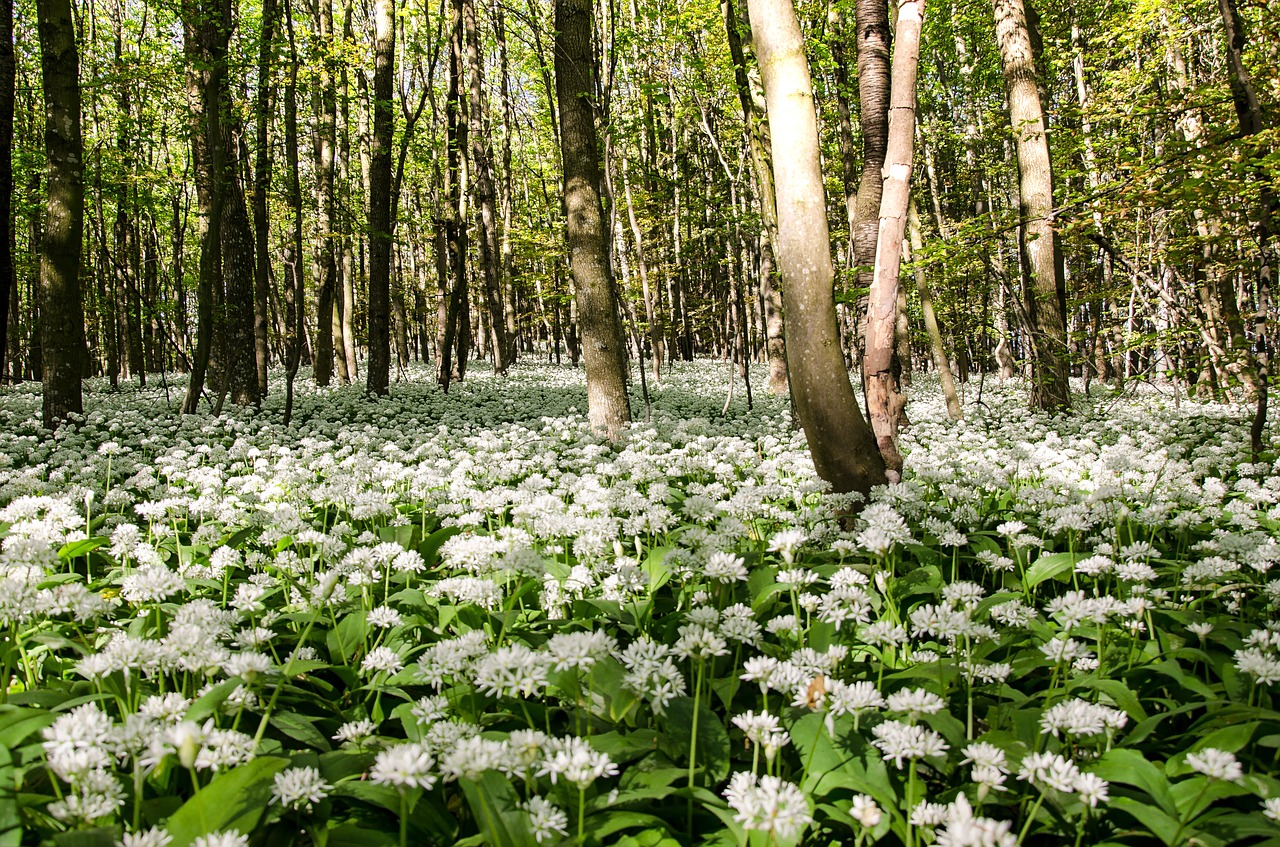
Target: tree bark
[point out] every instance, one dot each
(485, 191)
(939, 351)
(607, 405)
(62, 311)
(378, 368)
(884, 394)
(8, 275)
(326, 258)
(294, 311)
(261, 185)
(751, 98)
(843, 447)
(871, 23)
(1043, 279)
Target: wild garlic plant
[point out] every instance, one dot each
(466, 618)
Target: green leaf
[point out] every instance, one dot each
(713, 739)
(401, 534)
(209, 702)
(1129, 767)
(430, 548)
(348, 636)
(1049, 567)
(18, 724)
(299, 728)
(99, 836)
(232, 800)
(496, 809)
(361, 835)
(76, 549)
(1161, 825)
(10, 820)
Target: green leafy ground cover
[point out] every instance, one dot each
(466, 620)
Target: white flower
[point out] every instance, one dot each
(865, 811)
(771, 805)
(915, 702)
(1050, 769)
(1092, 789)
(221, 839)
(1081, 718)
(384, 617)
(898, 741)
(354, 732)
(1216, 764)
(381, 660)
(577, 761)
(404, 766)
(299, 788)
(545, 818)
(153, 837)
(1271, 808)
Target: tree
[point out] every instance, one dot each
(1044, 283)
(843, 447)
(378, 371)
(603, 354)
(884, 397)
(61, 308)
(8, 78)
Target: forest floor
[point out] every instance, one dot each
(464, 619)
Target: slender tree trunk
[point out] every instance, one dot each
(872, 37)
(294, 311)
(62, 311)
(607, 405)
(325, 246)
(1249, 115)
(485, 193)
(204, 47)
(261, 185)
(940, 360)
(1043, 278)
(884, 394)
(378, 367)
(751, 98)
(8, 275)
(843, 447)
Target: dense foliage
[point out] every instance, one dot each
(463, 619)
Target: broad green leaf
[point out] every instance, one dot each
(713, 741)
(10, 820)
(299, 728)
(1049, 567)
(1163, 826)
(232, 800)
(76, 549)
(1129, 767)
(495, 807)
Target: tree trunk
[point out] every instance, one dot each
(294, 311)
(378, 367)
(843, 447)
(939, 351)
(607, 404)
(485, 200)
(62, 311)
(325, 247)
(1249, 115)
(751, 98)
(884, 394)
(871, 22)
(1043, 280)
(261, 185)
(8, 275)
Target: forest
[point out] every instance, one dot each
(639, 422)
